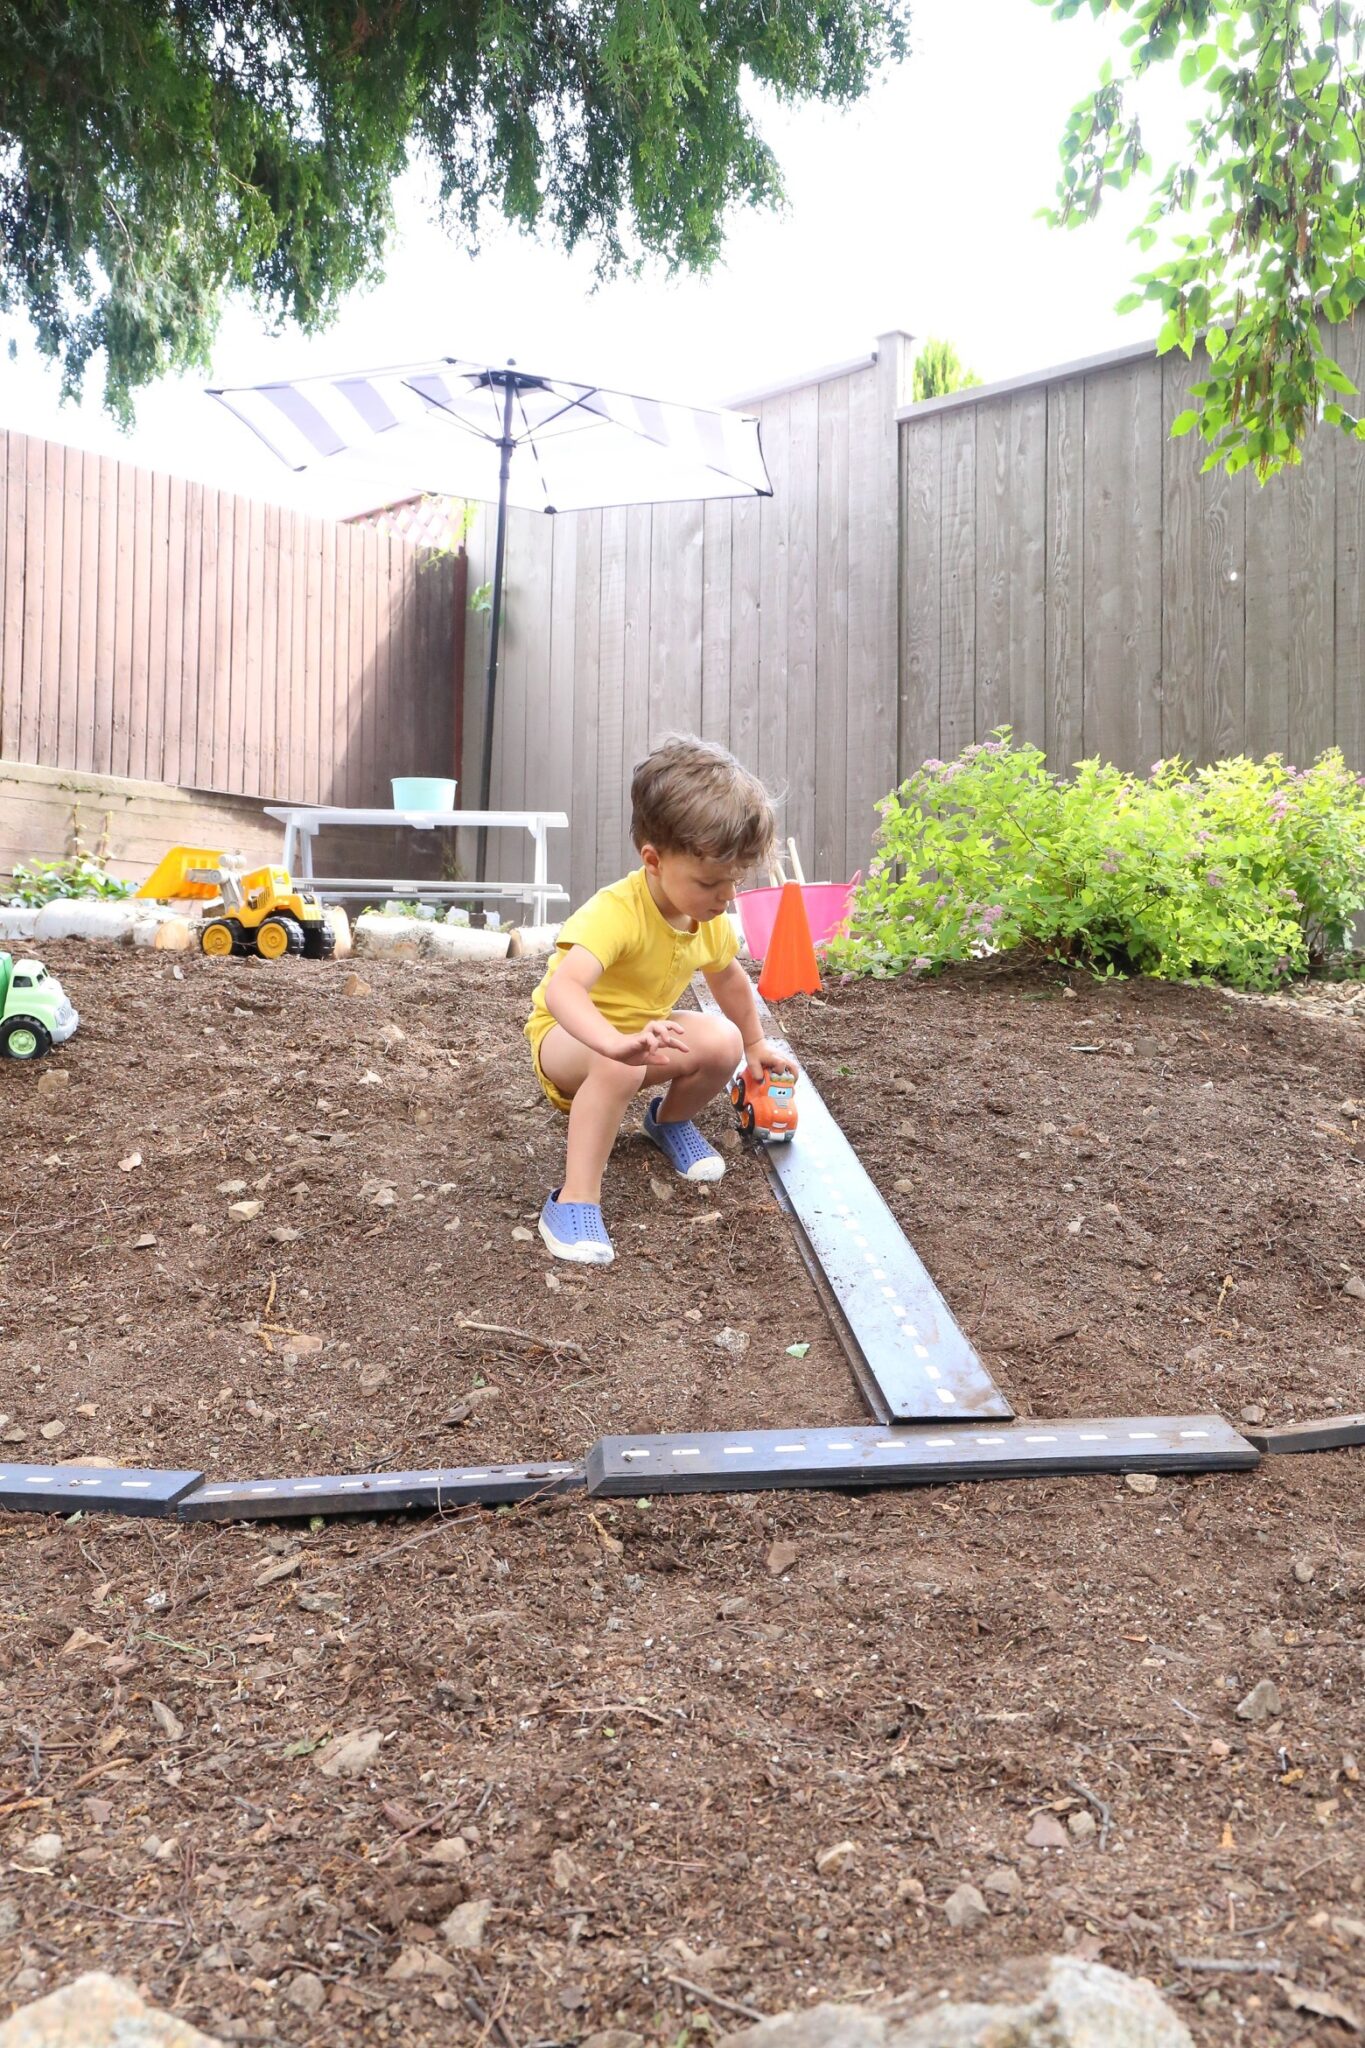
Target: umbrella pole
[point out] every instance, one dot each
(490, 689)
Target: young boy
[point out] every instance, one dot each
(602, 1023)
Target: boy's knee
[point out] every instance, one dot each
(725, 1047)
(615, 1075)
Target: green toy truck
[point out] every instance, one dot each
(35, 1010)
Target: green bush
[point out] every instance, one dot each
(47, 881)
(1246, 872)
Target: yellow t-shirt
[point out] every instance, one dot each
(646, 961)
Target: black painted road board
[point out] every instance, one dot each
(1323, 1433)
(115, 1489)
(921, 1363)
(739, 1461)
(374, 1493)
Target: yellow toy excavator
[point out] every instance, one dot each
(261, 912)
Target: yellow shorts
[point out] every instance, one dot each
(538, 1030)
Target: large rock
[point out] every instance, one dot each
(1054, 2002)
(75, 917)
(16, 923)
(98, 2011)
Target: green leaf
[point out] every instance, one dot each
(1182, 423)
(797, 1350)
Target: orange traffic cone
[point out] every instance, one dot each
(789, 967)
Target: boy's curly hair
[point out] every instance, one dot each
(692, 796)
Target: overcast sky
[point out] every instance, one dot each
(913, 210)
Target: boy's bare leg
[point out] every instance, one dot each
(600, 1089)
(714, 1049)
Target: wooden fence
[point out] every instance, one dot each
(769, 624)
(160, 630)
(1067, 569)
(1038, 553)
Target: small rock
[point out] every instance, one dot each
(1081, 1827)
(781, 1557)
(1304, 1570)
(464, 1927)
(454, 1849)
(349, 1755)
(14, 1435)
(1046, 1832)
(1262, 1703)
(965, 1908)
(565, 1874)
(244, 1211)
(306, 1993)
(147, 1240)
(418, 1962)
(393, 1034)
(356, 985)
(171, 1726)
(734, 1341)
(283, 1234)
(910, 1892)
(302, 1344)
(483, 1397)
(1140, 1482)
(1253, 1413)
(706, 1217)
(53, 1081)
(127, 1165)
(828, 1862)
(44, 1852)
(50, 1431)
(1004, 1882)
(373, 1378)
(383, 1198)
(521, 1235)
(86, 1408)
(1355, 1287)
(232, 1187)
(660, 1189)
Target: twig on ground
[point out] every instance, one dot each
(747, 2012)
(1232, 1965)
(1079, 1785)
(523, 1336)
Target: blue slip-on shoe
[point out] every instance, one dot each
(575, 1230)
(683, 1146)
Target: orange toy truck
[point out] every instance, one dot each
(766, 1109)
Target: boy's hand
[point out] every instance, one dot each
(660, 1036)
(761, 1058)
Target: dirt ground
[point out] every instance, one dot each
(670, 1762)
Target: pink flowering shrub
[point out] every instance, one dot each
(1245, 872)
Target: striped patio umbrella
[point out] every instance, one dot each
(454, 427)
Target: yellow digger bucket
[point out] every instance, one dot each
(169, 880)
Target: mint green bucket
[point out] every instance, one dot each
(423, 793)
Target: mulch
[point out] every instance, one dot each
(701, 1755)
